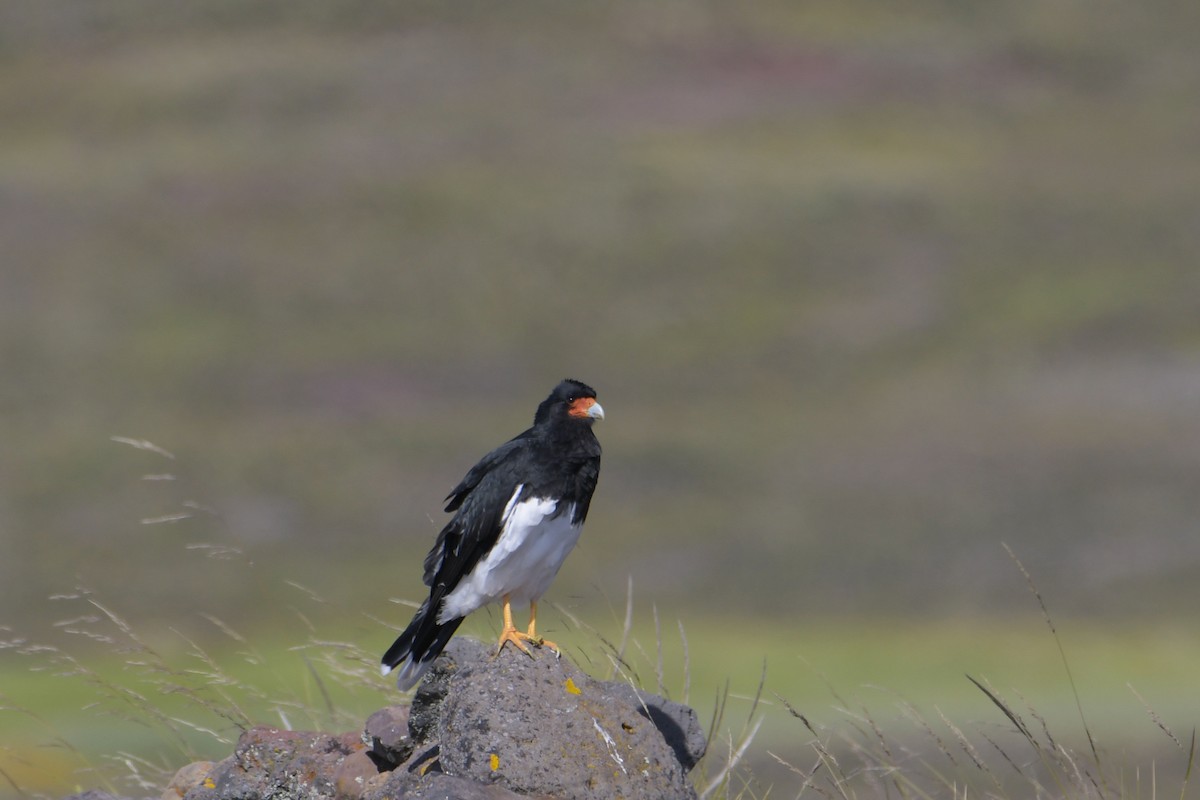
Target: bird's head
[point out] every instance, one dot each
(570, 400)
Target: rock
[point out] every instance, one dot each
(480, 727)
(268, 762)
(540, 725)
(386, 735)
(440, 786)
(427, 702)
(678, 723)
(352, 777)
(186, 778)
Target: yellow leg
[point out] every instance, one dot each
(510, 632)
(532, 634)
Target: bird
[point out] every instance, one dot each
(518, 513)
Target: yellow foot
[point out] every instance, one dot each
(509, 633)
(532, 636)
(540, 642)
(517, 638)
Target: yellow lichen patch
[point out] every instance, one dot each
(495, 762)
(571, 687)
(209, 783)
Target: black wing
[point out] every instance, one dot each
(479, 500)
(485, 466)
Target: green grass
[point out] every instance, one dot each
(106, 709)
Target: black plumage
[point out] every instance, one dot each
(517, 513)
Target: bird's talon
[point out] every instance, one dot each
(515, 636)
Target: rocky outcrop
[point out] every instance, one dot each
(540, 725)
(479, 727)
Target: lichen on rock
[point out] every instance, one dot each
(480, 727)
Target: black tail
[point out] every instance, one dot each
(418, 646)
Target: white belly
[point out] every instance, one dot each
(528, 554)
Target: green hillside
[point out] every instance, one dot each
(865, 291)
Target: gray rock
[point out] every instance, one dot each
(386, 735)
(678, 723)
(268, 762)
(427, 702)
(481, 727)
(540, 725)
(440, 786)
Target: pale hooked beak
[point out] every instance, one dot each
(595, 411)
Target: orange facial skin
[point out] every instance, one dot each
(580, 407)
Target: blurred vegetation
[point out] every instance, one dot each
(865, 291)
(886, 701)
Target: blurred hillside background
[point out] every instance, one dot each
(865, 291)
